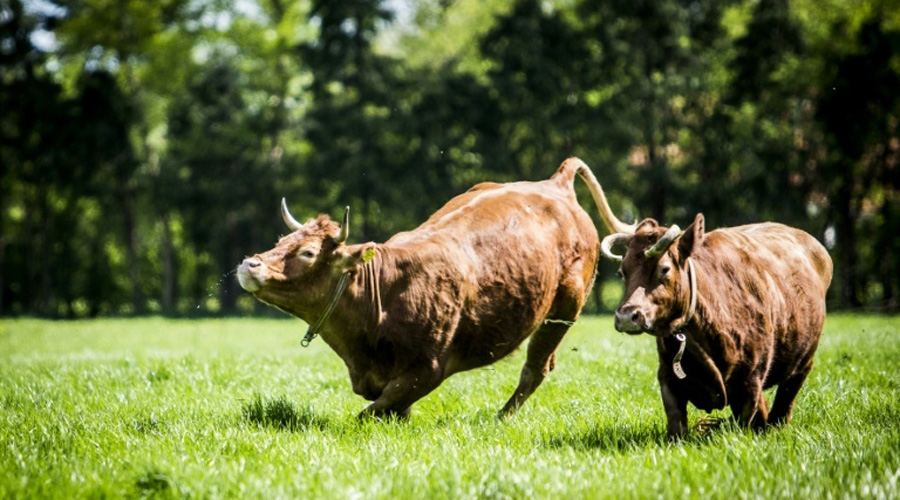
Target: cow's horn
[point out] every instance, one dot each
(663, 244)
(288, 218)
(345, 227)
(611, 241)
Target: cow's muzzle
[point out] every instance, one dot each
(631, 320)
(249, 274)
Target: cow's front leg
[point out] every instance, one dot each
(676, 409)
(401, 392)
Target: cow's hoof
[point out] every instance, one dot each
(505, 414)
(385, 416)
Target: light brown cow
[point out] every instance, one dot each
(493, 266)
(735, 311)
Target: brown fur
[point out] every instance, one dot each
(760, 311)
(461, 291)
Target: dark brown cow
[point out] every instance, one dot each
(734, 311)
(493, 266)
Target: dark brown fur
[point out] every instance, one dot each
(759, 315)
(461, 291)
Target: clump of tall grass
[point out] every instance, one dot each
(279, 413)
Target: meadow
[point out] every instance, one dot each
(235, 408)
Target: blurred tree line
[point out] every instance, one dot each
(145, 145)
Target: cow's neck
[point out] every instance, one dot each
(696, 320)
(703, 341)
(359, 309)
(682, 323)
(325, 314)
(694, 341)
(370, 286)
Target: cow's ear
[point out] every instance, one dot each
(692, 236)
(349, 258)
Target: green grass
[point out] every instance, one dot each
(237, 409)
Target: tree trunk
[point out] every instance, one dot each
(657, 175)
(169, 277)
(3, 238)
(597, 292)
(886, 247)
(2, 264)
(846, 232)
(45, 259)
(129, 228)
(228, 288)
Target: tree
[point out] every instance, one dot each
(749, 143)
(64, 151)
(859, 117)
(536, 62)
(218, 181)
(657, 63)
(352, 101)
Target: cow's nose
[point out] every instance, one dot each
(250, 263)
(249, 274)
(629, 319)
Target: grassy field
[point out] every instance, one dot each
(237, 409)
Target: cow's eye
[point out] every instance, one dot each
(307, 254)
(620, 274)
(664, 271)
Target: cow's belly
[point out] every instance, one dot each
(700, 387)
(460, 363)
(703, 393)
(477, 347)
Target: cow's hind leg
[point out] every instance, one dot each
(786, 395)
(541, 359)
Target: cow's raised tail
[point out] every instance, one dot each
(566, 173)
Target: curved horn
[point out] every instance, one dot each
(611, 241)
(663, 244)
(288, 218)
(345, 227)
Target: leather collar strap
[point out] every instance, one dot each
(679, 335)
(676, 363)
(313, 331)
(692, 278)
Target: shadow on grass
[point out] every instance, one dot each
(613, 438)
(280, 413)
(154, 484)
(624, 437)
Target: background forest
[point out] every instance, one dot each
(145, 145)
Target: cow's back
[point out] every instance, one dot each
(492, 224)
(766, 284)
(775, 249)
(497, 255)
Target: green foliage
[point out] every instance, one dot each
(236, 408)
(145, 146)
